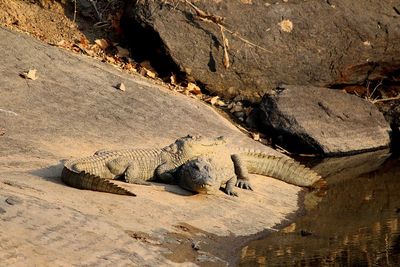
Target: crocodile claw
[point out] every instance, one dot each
(231, 193)
(244, 184)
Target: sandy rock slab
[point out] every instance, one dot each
(323, 120)
(71, 110)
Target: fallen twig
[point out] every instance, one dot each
(204, 16)
(99, 16)
(8, 112)
(74, 11)
(225, 42)
(385, 99)
(246, 41)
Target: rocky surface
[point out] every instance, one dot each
(320, 43)
(339, 169)
(309, 119)
(73, 109)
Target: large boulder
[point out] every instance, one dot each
(320, 43)
(320, 120)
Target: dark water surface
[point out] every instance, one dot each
(357, 222)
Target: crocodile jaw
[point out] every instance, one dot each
(199, 181)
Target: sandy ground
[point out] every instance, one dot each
(71, 111)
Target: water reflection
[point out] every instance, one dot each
(357, 223)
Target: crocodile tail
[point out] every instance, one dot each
(88, 181)
(284, 169)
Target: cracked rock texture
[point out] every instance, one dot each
(319, 43)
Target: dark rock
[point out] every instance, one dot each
(326, 121)
(196, 245)
(391, 111)
(323, 43)
(305, 233)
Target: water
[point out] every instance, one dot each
(357, 222)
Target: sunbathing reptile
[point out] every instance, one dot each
(136, 166)
(207, 174)
(142, 165)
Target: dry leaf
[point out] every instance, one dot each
(102, 43)
(146, 64)
(237, 107)
(367, 43)
(122, 52)
(149, 73)
(173, 79)
(90, 52)
(62, 43)
(121, 87)
(226, 47)
(84, 42)
(193, 88)
(31, 74)
(220, 103)
(110, 59)
(289, 229)
(255, 136)
(115, 21)
(129, 67)
(286, 25)
(215, 101)
(212, 100)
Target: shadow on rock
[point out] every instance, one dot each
(51, 173)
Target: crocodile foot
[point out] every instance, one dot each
(230, 192)
(244, 184)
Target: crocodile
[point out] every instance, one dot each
(139, 166)
(207, 174)
(136, 166)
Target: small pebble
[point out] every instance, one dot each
(196, 245)
(121, 87)
(239, 114)
(13, 200)
(305, 233)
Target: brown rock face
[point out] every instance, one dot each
(323, 120)
(320, 43)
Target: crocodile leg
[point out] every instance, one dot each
(230, 185)
(131, 175)
(241, 172)
(118, 166)
(163, 173)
